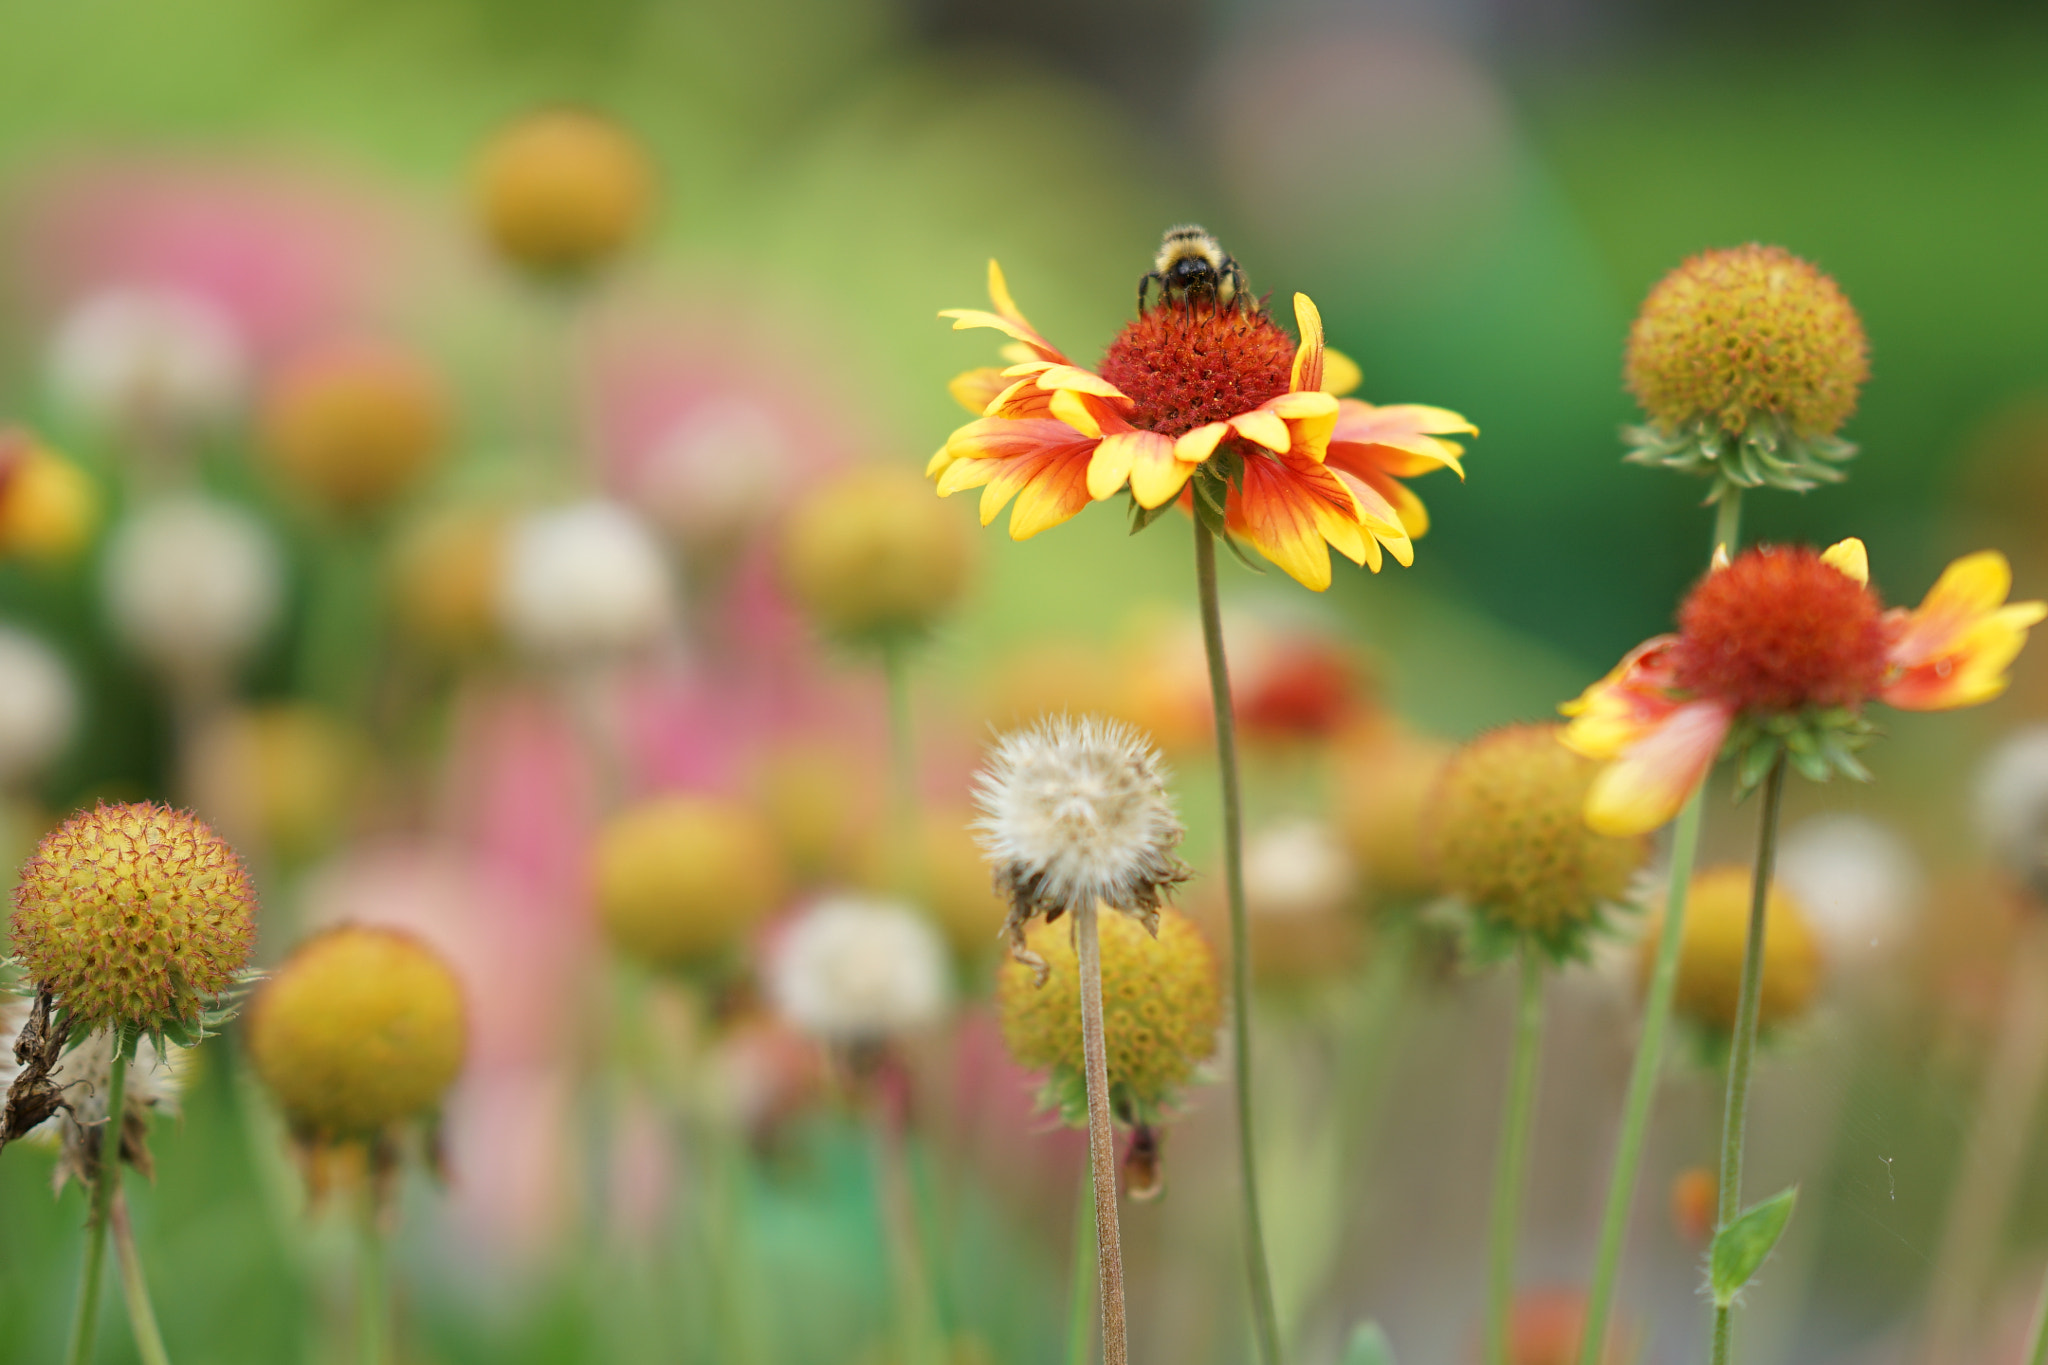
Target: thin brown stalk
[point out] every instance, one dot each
(1109, 1256)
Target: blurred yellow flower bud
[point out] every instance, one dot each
(681, 879)
(813, 797)
(360, 1029)
(445, 571)
(871, 554)
(353, 425)
(1384, 779)
(1716, 936)
(562, 190)
(49, 507)
(282, 776)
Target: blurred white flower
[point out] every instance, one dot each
(38, 705)
(1857, 880)
(584, 580)
(147, 356)
(2012, 804)
(1297, 866)
(715, 474)
(192, 583)
(852, 969)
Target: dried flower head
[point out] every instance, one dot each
(1162, 1004)
(79, 1080)
(1506, 833)
(1074, 811)
(135, 917)
(856, 970)
(681, 879)
(869, 555)
(563, 190)
(1716, 936)
(354, 424)
(1747, 361)
(360, 1030)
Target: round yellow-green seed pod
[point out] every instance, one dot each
(135, 916)
(360, 1029)
(1506, 832)
(354, 425)
(682, 879)
(872, 554)
(283, 776)
(49, 507)
(444, 574)
(1162, 1003)
(562, 190)
(1736, 334)
(1384, 783)
(1716, 937)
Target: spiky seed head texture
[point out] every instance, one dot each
(360, 1029)
(135, 916)
(1074, 811)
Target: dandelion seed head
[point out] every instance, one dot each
(853, 969)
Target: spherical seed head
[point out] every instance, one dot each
(445, 573)
(1385, 782)
(134, 916)
(354, 425)
(360, 1029)
(283, 776)
(681, 879)
(1734, 334)
(1779, 630)
(1162, 1003)
(853, 969)
(1717, 933)
(1184, 366)
(871, 553)
(562, 190)
(1506, 831)
(1074, 811)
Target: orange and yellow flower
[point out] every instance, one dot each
(1179, 386)
(1775, 633)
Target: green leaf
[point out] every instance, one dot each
(1740, 1248)
(1368, 1346)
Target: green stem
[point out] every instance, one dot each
(902, 765)
(149, 1341)
(105, 1183)
(920, 1339)
(1109, 1252)
(373, 1291)
(1734, 1122)
(2037, 1336)
(1642, 1081)
(1081, 1300)
(1511, 1171)
(1265, 1319)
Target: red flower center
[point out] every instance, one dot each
(1184, 366)
(1777, 631)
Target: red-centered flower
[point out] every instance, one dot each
(1183, 385)
(1781, 634)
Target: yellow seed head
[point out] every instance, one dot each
(360, 1029)
(680, 879)
(563, 190)
(444, 579)
(1385, 781)
(354, 425)
(1717, 934)
(133, 915)
(1161, 998)
(1746, 331)
(1507, 832)
(283, 775)
(955, 885)
(872, 553)
(49, 507)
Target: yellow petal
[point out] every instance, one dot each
(937, 464)
(1340, 372)
(963, 474)
(999, 292)
(1263, 428)
(1720, 560)
(1849, 557)
(1110, 466)
(1069, 407)
(1157, 471)
(1308, 357)
(1198, 445)
(1644, 787)
(976, 389)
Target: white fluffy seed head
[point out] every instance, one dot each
(38, 705)
(147, 356)
(582, 582)
(1074, 811)
(2012, 804)
(192, 583)
(851, 969)
(1298, 866)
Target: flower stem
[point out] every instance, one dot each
(1511, 1171)
(1734, 1121)
(149, 1342)
(1649, 1062)
(1265, 1320)
(373, 1301)
(2037, 1336)
(105, 1183)
(902, 764)
(1109, 1256)
(1081, 1303)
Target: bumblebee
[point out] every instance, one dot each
(1193, 265)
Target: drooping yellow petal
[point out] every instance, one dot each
(936, 465)
(1156, 475)
(1645, 786)
(976, 389)
(1954, 648)
(1850, 558)
(1340, 372)
(1056, 493)
(966, 473)
(1072, 408)
(999, 293)
(1308, 357)
(1263, 427)
(1120, 456)
(1198, 445)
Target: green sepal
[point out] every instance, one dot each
(1486, 939)
(1065, 1093)
(1142, 517)
(1767, 453)
(1368, 1346)
(1819, 743)
(1741, 1248)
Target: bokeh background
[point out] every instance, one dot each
(1477, 195)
